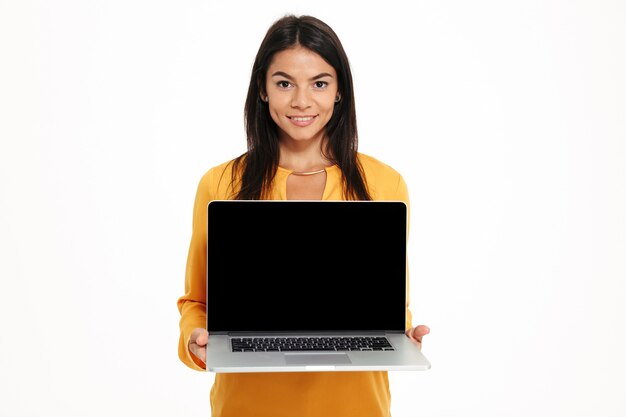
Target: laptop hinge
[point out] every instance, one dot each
(311, 332)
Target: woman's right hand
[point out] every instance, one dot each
(197, 343)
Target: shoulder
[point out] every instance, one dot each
(376, 167)
(217, 183)
(383, 181)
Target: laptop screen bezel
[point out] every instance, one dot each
(399, 319)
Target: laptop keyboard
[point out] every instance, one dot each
(292, 344)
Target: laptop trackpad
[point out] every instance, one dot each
(319, 359)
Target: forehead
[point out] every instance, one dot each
(299, 61)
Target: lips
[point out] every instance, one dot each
(302, 121)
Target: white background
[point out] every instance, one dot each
(506, 118)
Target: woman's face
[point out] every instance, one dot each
(301, 88)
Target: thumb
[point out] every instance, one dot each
(199, 336)
(420, 331)
(203, 338)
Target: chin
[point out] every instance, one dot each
(301, 137)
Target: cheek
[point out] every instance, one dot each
(330, 110)
(274, 115)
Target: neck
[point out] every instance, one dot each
(299, 158)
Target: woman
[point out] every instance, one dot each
(302, 145)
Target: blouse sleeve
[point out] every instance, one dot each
(192, 305)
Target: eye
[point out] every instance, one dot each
(321, 84)
(283, 84)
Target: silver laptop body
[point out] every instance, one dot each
(308, 286)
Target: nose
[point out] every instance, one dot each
(300, 98)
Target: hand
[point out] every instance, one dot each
(417, 333)
(197, 343)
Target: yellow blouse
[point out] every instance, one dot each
(289, 394)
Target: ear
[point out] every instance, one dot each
(262, 93)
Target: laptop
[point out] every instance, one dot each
(296, 286)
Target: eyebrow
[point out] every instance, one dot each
(284, 74)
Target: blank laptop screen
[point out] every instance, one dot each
(277, 266)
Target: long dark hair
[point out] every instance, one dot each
(255, 169)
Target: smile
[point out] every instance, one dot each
(301, 121)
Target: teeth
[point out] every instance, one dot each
(302, 119)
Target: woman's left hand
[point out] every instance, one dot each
(417, 333)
